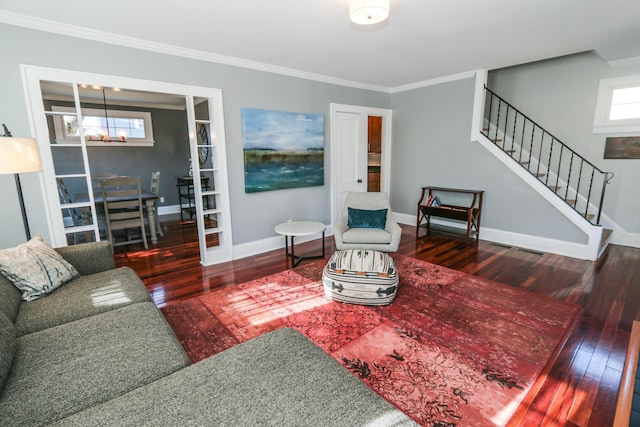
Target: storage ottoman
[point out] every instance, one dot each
(360, 276)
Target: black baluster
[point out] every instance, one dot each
(586, 209)
(559, 165)
(566, 193)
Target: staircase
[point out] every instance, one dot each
(566, 174)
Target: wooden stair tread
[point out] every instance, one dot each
(606, 233)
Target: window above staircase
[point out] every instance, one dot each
(618, 106)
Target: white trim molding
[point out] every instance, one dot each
(433, 82)
(509, 238)
(257, 247)
(136, 43)
(478, 104)
(601, 121)
(635, 60)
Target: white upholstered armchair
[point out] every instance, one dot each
(371, 228)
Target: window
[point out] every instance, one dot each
(625, 104)
(618, 106)
(131, 127)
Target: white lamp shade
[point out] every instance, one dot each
(367, 12)
(19, 155)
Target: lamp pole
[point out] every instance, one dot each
(19, 155)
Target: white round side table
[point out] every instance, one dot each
(293, 229)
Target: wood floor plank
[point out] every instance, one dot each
(581, 386)
(583, 405)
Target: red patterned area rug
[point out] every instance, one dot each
(451, 350)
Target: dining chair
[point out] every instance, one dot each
(73, 213)
(123, 208)
(155, 190)
(75, 216)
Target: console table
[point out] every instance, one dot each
(469, 212)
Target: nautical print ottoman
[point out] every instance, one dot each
(360, 276)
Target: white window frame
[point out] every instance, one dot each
(601, 122)
(63, 138)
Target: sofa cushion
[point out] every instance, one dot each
(366, 235)
(7, 347)
(89, 258)
(82, 297)
(279, 379)
(35, 268)
(10, 299)
(62, 370)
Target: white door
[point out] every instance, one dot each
(351, 156)
(349, 151)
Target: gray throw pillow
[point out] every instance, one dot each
(35, 268)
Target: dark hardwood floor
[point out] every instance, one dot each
(579, 389)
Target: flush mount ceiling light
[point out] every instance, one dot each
(366, 12)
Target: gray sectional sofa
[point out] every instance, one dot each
(97, 351)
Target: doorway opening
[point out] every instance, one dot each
(350, 152)
(374, 152)
(99, 120)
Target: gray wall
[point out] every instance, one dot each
(254, 215)
(560, 94)
(431, 147)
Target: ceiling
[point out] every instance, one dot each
(421, 40)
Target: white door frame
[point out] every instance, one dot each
(32, 75)
(385, 158)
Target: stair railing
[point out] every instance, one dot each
(566, 173)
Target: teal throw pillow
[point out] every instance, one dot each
(361, 218)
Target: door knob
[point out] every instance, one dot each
(359, 181)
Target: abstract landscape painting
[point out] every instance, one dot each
(282, 150)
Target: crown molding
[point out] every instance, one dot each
(436, 81)
(624, 62)
(135, 43)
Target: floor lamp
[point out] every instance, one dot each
(19, 155)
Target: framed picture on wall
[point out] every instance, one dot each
(282, 150)
(626, 147)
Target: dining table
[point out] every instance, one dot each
(149, 199)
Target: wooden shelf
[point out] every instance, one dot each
(469, 213)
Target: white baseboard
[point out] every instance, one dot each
(168, 210)
(272, 243)
(535, 243)
(627, 239)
